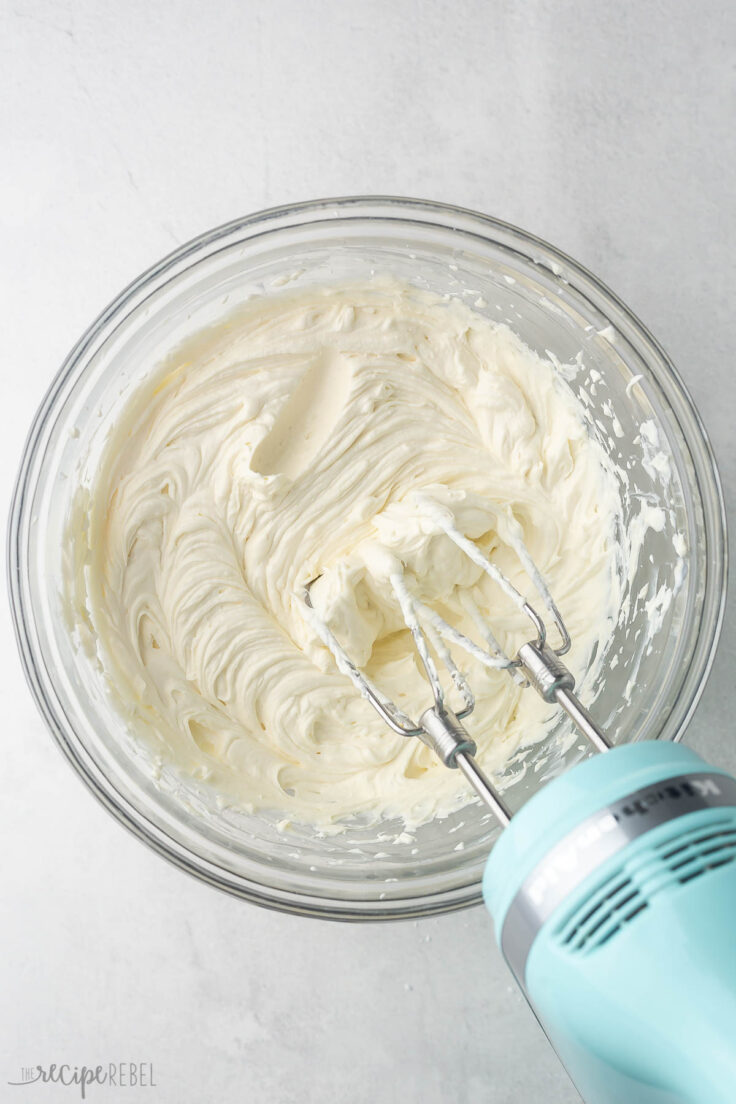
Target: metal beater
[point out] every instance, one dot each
(536, 664)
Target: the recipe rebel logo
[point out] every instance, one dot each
(115, 1075)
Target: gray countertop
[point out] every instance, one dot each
(126, 130)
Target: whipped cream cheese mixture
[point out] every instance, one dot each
(290, 442)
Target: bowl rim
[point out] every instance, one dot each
(370, 207)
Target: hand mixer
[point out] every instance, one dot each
(613, 890)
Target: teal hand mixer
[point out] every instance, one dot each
(613, 890)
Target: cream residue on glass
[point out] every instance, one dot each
(290, 442)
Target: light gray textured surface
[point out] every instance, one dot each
(129, 128)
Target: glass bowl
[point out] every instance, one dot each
(655, 667)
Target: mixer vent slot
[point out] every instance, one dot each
(631, 889)
(615, 903)
(694, 854)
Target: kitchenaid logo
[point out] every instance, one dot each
(116, 1075)
(672, 791)
(607, 832)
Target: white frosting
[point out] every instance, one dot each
(288, 443)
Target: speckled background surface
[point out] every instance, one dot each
(126, 129)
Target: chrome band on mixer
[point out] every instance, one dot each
(596, 839)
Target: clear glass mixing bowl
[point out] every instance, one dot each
(659, 658)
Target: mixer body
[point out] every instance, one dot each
(614, 898)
